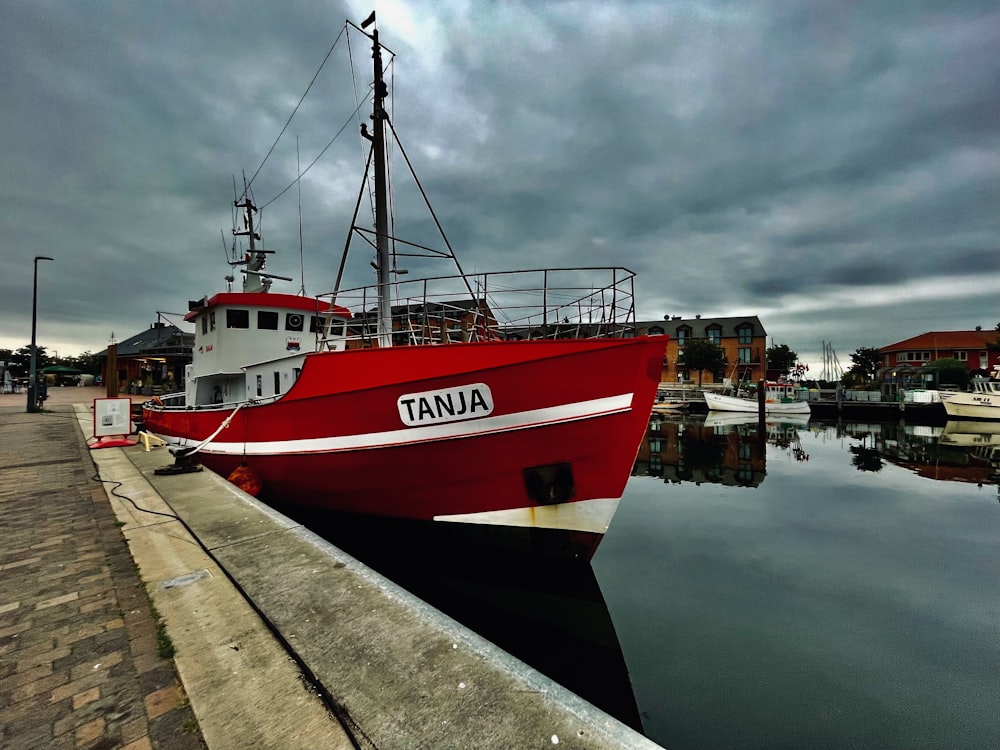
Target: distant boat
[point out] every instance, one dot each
(405, 399)
(982, 401)
(779, 398)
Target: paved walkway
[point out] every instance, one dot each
(78, 643)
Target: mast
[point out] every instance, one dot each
(381, 192)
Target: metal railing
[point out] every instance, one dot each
(539, 304)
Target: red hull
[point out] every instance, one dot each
(338, 439)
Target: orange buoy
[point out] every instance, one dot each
(247, 480)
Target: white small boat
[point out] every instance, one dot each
(982, 401)
(779, 398)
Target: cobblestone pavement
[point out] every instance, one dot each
(78, 643)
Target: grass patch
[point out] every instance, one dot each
(164, 646)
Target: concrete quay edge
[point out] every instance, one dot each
(234, 580)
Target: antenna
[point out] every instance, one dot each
(298, 182)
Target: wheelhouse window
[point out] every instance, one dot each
(294, 321)
(267, 320)
(237, 318)
(277, 383)
(260, 385)
(315, 324)
(211, 320)
(204, 323)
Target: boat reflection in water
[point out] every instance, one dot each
(720, 447)
(546, 610)
(731, 449)
(961, 451)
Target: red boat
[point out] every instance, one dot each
(512, 406)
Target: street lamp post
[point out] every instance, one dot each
(32, 370)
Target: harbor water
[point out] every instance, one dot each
(804, 584)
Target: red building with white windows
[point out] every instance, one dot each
(903, 362)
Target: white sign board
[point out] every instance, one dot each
(112, 416)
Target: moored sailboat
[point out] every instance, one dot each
(408, 400)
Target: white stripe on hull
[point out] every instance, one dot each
(593, 516)
(415, 435)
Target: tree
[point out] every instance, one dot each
(866, 361)
(948, 371)
(701, 355)
(21, 359)
(780, 358)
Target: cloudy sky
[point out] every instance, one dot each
(830, 166)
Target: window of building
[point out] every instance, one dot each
(267, 320)
(744, 335)
(293, 321)
(237, 318)
(715, 336)
(743, 354)
(655, 445)
(962, 356)
(683, 333)
(655, 331)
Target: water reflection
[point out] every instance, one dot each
(827, 607)
(551, 614)
(961, 451)
(848, 601)
(731, 449)
(719, 448)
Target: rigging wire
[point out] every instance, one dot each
(301, 99)
(318, 156)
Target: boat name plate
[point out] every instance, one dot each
(445, 405)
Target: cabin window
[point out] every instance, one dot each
(260, 385)
(277, 383)
(267, 320)
(715, 336)
(745, 335)
(237, 318)
(315, 324)
(211, 321)
(293, 321)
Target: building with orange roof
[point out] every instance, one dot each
(903, 361)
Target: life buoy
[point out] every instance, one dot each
(247, 480)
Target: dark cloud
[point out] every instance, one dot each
(746, 158)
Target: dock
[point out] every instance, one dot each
(281, 640)
(825, 406)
